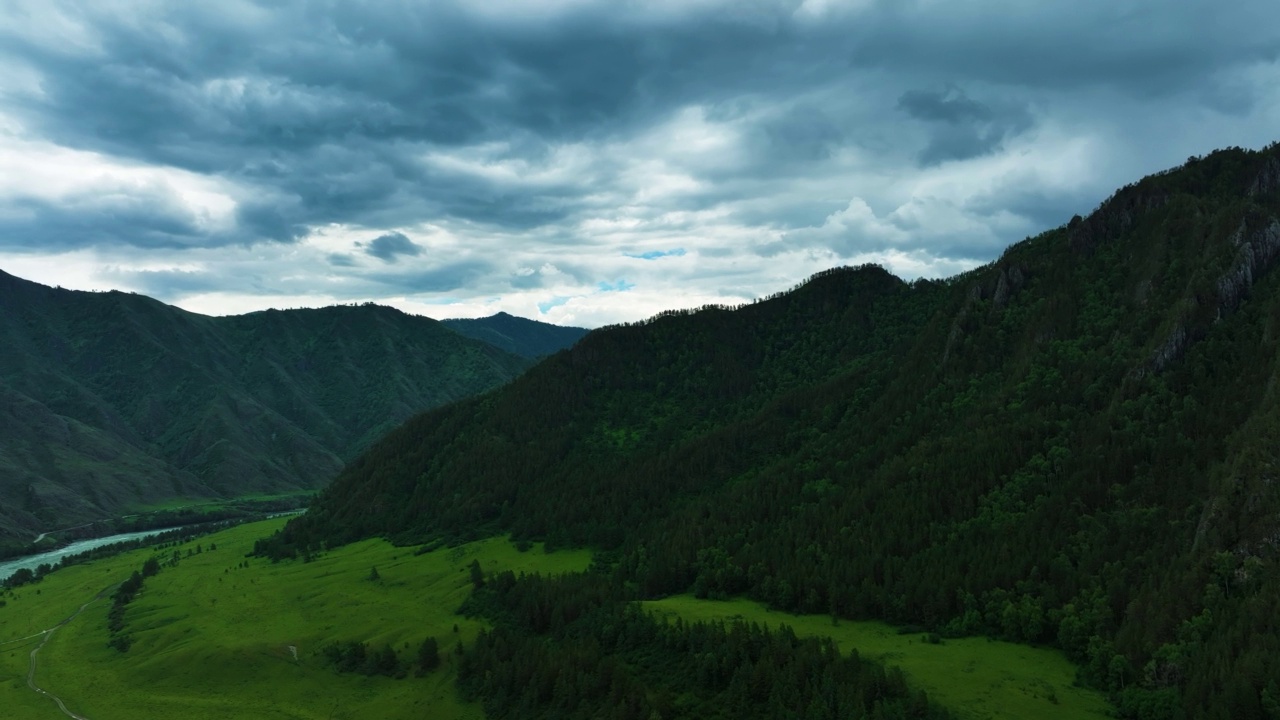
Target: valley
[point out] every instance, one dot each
(585, 360)
(114, 403)
(215, 636)
(1055, 465)
(212, 637)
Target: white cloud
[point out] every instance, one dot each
(42, 170)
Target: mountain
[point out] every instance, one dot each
(1074, 445)
(519, 336)
(113, 400)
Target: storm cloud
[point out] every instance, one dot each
(963, 128)
(529, 156)
(391, 246)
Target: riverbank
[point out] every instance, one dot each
(54, 558)
(33, 567)
(158, 518)
(215, 635)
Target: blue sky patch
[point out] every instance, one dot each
(556, 301)
(655, 254)
(619, 286)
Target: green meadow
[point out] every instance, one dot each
(213, 639)
(976, 678)
(216, 640)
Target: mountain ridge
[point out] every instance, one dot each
(117, 400)
(1069, 445)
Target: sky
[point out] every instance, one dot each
(587, 162)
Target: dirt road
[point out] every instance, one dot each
(48, 635)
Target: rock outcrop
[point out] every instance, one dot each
(1259, 249)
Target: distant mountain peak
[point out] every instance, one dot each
(518, 335)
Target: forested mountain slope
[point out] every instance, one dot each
(108, 400)
(521, 336)
(1076, 444)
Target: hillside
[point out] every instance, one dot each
(519, 336)
(110, 401)
(1073, 445)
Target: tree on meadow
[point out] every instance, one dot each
(428, 656)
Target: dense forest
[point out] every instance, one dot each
(1074, 445)
(608, 659)
(113, 400)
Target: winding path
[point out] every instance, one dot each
(48, 635)
(17, 640)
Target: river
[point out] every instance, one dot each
(31, 562)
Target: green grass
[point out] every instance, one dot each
(976, 678)
(212, 640)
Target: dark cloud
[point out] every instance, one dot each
(960, 143)
(314, 103)
(341, 260)
(446, 74)
(276, 219)
(150, 221)
(1147, 49)
(961, 128)
(791, 142)
(949, 106)
(390, 247)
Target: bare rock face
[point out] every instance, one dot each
(1268, 180)
(1010, 278)
(1258, 252)
(957, 325)
(1171, 349)
(1259, 249)
(1009, 282)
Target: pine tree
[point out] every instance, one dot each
(428, 656)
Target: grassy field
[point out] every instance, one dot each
(215, 640)
(976, 678)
